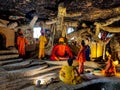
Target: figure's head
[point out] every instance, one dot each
(61, 40)
(42, 31)
(83, 43)
(20, 32)
(19, 29)
(86, 41)
(70, 62)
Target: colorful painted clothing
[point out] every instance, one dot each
(21, 41)
(81, 59)
(42, 40)
(61, 52)
(69, 75)
(109, 69)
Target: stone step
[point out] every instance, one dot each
(6, 57)
(2, 52)
(5, 62)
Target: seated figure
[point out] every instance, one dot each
(110, 67)
(69, 74)
(61, 51)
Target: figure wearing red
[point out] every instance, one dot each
(81, 57)
(61, 51)
(21, 42)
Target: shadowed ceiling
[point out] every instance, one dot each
(48, 9)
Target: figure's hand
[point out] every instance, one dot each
(56, 58)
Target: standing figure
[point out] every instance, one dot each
(42, 42)
(21, 42)
(87, 49)
(110, 67)
(81, 57)
(61, 51)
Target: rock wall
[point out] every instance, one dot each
(115, 46)
(9, 36)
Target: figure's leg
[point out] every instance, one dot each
(81, 68)
(40, 53)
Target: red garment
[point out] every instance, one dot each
(110, 69)
(81, 55)
(81, 59)
(61, 52)
(21, 41)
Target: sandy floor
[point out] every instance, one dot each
(89, 78)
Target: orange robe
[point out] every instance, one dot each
(61, 52)
(109, 69)
(81, 59)
(42, 40)
(21, 41)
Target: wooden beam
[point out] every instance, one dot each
(110, 21)
(73, 14)
(111, 29)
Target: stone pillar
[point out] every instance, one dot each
(61, 14)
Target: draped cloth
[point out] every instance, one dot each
(110, 69)
(81, 58)
(61, 52)
(21, 41)
(42, 40)
(68, 74)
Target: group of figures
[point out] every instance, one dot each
(62, 51)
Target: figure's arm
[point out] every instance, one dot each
(88, 50)
(69, 51)
(76, 71)
(26, 41)
(54, 53)
(45, 40)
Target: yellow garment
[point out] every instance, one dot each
(61, 39)
(42, 40)
(68, 75)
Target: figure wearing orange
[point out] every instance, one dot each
(21, 41)
(81, 57)
(61, 51)
(110, 69)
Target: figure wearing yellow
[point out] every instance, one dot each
(42, 42)
(69, 74)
